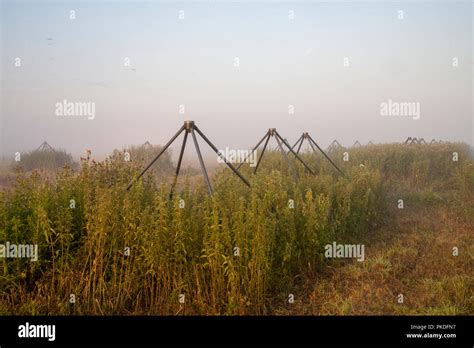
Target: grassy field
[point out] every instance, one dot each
(246, 251)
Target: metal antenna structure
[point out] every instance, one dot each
(272, 132)
(334, 145)
(310, 140)
(411, 140)
(189, 127)
(45, 147)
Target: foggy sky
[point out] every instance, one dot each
(283, 61)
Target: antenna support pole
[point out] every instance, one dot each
(189, 127)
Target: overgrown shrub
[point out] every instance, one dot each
(227, 253)
(144, 154)
(237, 252)
(51, 160)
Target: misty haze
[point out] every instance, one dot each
(303, 159)
(236, 68)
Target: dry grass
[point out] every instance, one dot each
(190, 250)
(411, 256)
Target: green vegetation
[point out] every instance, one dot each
(50, 159)
(141, 155)
(241, 251)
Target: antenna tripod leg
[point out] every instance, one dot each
(301, 143)
(297, 141)
(263, 151)
(156, 158)
(255, 148)
(201, 162)
(286, 156)
(311, 141)
(221, 156)
(178, 167)
(294, 153)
